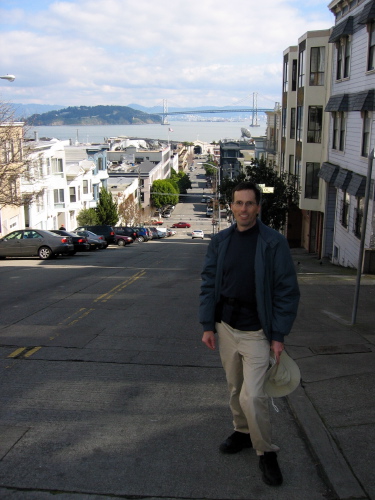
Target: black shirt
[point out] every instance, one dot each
(238, 281)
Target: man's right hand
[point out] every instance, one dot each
(209, 339)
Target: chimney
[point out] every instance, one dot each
(36, 137)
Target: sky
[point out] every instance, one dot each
(119, 52)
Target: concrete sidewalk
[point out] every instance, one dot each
(335, 403)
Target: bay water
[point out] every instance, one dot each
(176, 131)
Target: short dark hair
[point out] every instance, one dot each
(250, 186)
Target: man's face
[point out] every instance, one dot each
(245, 209)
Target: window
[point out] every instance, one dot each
(301, 69)
(291, 164)
(285, 75)
(101, 163)
(283, 123)
(299, 123)
(48, 165)
(312, 180)
(317, 63)
(358, 218)
(72, 194)
(297, 173)
(95, 191)
(371, 51)
(314, 126)
(345, 209)
(342, 132)
(366, 134)
(57, 166)
(294, 75)
(85, 186)
(338, 130)
(293, 123)
(58, 198)
(343, 58)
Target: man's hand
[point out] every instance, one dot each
(277, 348)
(209, 339)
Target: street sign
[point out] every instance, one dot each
(268, 189)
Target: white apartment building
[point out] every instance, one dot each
(68, 178)
(351, 113)
(304, 135)
(144, 164)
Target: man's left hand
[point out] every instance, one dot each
(277, 348)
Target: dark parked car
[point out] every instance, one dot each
(96, 241)
(126, 231)
(80, 242)
(107, 231)
(142, 233)
(30, 242)
(123, 240)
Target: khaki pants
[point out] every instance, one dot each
(245, 358)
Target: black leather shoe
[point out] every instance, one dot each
(236, 442)
(270, 468)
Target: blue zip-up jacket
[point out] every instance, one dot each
(277, 290)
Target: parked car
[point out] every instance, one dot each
(180, 224)
(156, 222)
(80, 242)
(32, 242)
(96, 241)
(123, 240)
(197, 233)
(166, 214)
(107, 231)
(209, 212)
(142, 233)
(126, 231)
(155, 234)
(170, 232)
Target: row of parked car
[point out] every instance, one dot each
(49, 244)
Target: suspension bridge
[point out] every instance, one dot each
(254, 110)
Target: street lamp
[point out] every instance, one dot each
(10, 78)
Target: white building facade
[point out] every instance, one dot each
(351, 109)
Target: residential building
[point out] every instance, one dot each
(304, 136)
(351, 113)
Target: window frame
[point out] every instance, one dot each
(371, 47)
(312, 180)
(315, 124)
(366, 133)
(345, 207)
(293, 118)
(301, 68)
(317, 78)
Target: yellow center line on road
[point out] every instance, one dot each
(85, 313)
(17, 352)
(106, 296)
(33, 351)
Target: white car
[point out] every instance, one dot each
(197, 233)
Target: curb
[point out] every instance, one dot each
(339, 475)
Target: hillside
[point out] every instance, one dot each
(93, 115)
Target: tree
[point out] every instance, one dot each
(87, 217)
(107, 210)
(275, 205)
(16, 163)
(164, 186)
(182, 180)
(129, 212)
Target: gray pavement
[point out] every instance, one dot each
(335, 403)
(82, 417)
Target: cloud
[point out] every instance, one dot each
(199, 53)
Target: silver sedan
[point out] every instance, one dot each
(34, 242)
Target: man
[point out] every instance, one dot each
(249, 296)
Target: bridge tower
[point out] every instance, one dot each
(165, 113)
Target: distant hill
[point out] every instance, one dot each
(23, 111)
(93, 115)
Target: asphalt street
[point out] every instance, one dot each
(106, 390)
